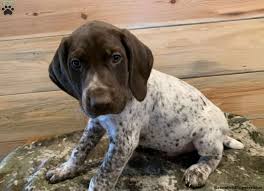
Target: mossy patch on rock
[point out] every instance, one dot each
(148, 170)
(257, 137)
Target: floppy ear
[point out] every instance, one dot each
(140, 62)
(58, 69)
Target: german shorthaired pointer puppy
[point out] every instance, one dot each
(109, 71)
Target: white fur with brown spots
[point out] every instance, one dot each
(174, 117)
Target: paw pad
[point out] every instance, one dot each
(8, 10)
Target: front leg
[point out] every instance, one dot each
(91, 136)
(123, 141)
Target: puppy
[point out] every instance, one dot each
(109, 71)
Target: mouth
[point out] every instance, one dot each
(93, 113)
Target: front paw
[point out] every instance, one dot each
(196, 175)
(63, 172)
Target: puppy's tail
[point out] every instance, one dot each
(232, 143)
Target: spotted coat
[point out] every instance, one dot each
(174, 117)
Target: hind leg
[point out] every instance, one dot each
(210, 151)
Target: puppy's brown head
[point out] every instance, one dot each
(100, 65)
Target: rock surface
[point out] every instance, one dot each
(148, 170)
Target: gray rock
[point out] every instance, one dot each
(148, 170)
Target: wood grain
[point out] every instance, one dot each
(241, 94)
(32, 108)
(183, 51)
(258, 122)
(27, 116)
(30, 116)
(32, 17)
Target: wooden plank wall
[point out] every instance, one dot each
(216, 46)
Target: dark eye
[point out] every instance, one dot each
(116, 57)
(76, 64)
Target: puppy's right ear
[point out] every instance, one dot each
(58, 69)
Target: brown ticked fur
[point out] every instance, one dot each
(93, 45)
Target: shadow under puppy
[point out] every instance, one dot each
(109, 71)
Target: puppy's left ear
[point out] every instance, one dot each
(140, 62)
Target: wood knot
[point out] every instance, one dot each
(84, 16)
